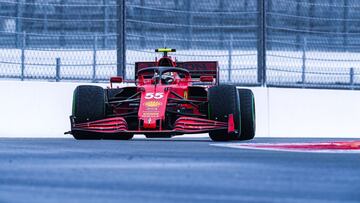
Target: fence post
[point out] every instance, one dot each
(345, 24)
(19, 19)
(230, 58)
(94, 58)
(303, 73)
(58, 64)
(165, 40)
(121, 39)
(62, 23)
(298, 26)
(220, 21)
(106, 22)
(142, 30)
(189, 23)
(46, 21)
(261, 45)
(352, 78)
(23, 46)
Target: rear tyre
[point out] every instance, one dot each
(88, 105)
(247, 109)
(224, 100)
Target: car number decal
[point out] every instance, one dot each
(157, 95)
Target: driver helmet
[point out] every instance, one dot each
(168, 78)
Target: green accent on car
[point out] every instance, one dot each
(238, 96)
(209, 112)
(253, 110)
(73, 104)
(165, 50)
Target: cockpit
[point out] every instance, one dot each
(162, 75)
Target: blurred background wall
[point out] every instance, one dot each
(282, 43)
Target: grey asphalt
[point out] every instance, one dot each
(171, 170)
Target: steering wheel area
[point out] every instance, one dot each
(167, 79)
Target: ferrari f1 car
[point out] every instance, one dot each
(170, 98)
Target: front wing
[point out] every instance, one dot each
(117, 126)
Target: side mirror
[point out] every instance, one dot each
(117, 79)
(206, 78)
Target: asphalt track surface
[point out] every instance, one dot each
(171, 170)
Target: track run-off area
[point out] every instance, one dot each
(174, 170)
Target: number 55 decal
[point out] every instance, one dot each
(155, 96)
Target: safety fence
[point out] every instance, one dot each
(291, 43)
(313, 43)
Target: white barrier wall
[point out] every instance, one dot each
(42, 109)
(35, 109)
(314, 113)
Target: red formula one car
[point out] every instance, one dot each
(170, 98)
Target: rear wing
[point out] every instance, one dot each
(196, 68)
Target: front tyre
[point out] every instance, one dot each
(224, 100)
(88, 105)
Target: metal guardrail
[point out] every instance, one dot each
(292, 43)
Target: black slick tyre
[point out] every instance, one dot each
(247, 109)
(88, 105)
(224, 100)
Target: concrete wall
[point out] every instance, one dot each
(42, 109)
(313, 113)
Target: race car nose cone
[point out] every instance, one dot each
(149, 123)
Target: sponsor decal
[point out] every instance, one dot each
(319, 147)
(152, 103)
(185, 94)
(150, 114)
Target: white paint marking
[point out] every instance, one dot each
(253, 147)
